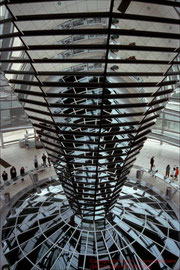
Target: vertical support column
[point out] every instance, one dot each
(1, 140)
(163, 123)
(139, 174)
(7, 198)
(35, 178)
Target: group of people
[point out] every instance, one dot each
(173, 173)
(13, 173)
(44, 158)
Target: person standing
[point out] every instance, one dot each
(35, 162)
(167, 171)
(173, 173)
(49, 160)
(4, 176)
(176, 173)
(44, 159)
(152, 163)
(22, 173)
(13, 172)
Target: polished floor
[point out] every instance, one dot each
(19, 157)
(164, 154)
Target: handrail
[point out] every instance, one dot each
(8, 183)
(159, 176)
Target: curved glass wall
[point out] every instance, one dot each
(12, 115)
(167, 127)
(168, 122)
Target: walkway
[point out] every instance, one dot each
(164, 154)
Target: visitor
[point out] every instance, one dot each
(152, 163)
(44, 159)
(173, 172)
(49, 160)
(22, 173)
(167, 171)
(13, 172)
(4, 176)
(35, 162)
(176, 174)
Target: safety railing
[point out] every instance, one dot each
(173, 185)
(4, 185)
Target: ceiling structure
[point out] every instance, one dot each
(93, 77)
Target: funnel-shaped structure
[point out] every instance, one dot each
(92, 77)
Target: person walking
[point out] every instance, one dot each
(4, 176)
(176, 174)
(22, 173)
(167, 171)
(151, 163)
(13, 172)
(35, 162)
(44, 159)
